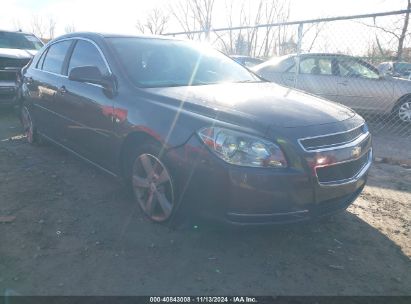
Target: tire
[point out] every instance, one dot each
(152, 183)
(403, 111)
(29, 129)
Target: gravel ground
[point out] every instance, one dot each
(72, 230)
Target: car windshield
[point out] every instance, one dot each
(19, 41)
(278, 64)
(153, 62)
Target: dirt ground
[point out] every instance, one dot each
(77, 232)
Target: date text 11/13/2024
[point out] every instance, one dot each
(199, 299)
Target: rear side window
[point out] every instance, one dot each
(41, 60)
(316, 66)
(86, 54)
(55, 57)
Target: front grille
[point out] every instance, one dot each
(7, 96)
(342, 171)
(332, 140)
(13, 62)
(8, 75)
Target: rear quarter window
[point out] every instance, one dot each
(54, 59)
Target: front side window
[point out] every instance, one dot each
(163, 63)
(402, 67)
(11, 40)
(55, 56)
(354, 68)
(86, 54)
(316, 66)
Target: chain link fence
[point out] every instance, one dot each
(360, 61)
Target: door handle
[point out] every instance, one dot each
(343, 83)
(62, 90)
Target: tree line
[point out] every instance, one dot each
(201, 15)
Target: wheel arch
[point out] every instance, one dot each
(399, 101)
(133, 140)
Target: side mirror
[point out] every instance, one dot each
(89, 74)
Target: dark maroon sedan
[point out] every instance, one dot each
(191, 129)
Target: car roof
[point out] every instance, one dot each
(96, 36)
(322, 54)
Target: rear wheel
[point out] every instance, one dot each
(404, 111)
(28, 125)
(152, 183)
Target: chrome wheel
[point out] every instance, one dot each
(404, 111)
(153, 187)
(28, 127)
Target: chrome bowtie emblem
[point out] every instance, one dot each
(356, 152)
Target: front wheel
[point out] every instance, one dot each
(152, 184)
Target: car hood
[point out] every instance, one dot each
(266, 103)
(17, 53)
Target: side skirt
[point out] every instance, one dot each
(80, 156)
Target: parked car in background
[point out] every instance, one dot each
(247, 61)
(344, 79)
(16, 50)
(395, 69)
(190, 128)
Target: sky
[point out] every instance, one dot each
(120, 16)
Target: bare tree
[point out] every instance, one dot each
(315, 30)
(398, 30)
(256, 41)
(17, 24)
(197, 15)
(69, 28)
(155, 23)
(403, 31)
(38, 26)
(203, 13)
(51, 27)
(43, 27)
(276, 12)
(229, 47)
(252, 19)
(193, 15)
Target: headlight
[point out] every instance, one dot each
(242, 149)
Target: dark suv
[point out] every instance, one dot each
(191, 129)
(16, 50)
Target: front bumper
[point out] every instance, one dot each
(243, 195)
(9, 86)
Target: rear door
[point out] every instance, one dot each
(361, 87)
(317, 76)
(88, 108)
(43, 82)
